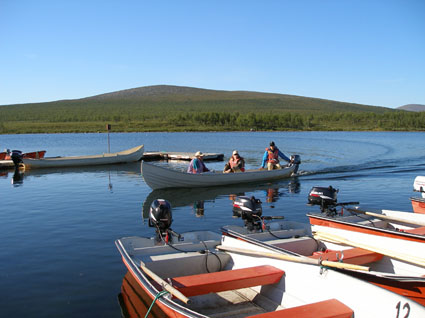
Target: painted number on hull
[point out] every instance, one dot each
(405, 309)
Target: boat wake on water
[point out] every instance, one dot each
(380, 167)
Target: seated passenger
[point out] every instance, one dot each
(235, 164)
(197, 164)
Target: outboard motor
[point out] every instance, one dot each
(295, 160)
(161, 218)
(16, 156)
(249, 209)
(327, 199)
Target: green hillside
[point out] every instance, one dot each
(175, 108)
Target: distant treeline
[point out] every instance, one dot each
(124, 121)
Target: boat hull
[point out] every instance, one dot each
(418, 205)
(130, 155)
(158, 177)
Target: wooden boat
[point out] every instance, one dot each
(418, 203)
(400, 235)
(292, 238)
(158, 177)
(206, 282)
(130, 155)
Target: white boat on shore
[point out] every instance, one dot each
(158, 177)
(130, 155)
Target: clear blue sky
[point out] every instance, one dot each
(367, 52)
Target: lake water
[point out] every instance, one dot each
(58, 227)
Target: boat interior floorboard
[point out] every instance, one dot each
(233, 304)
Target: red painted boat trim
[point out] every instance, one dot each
(331, 308)
(342, 225)
(418, 205)
(201, 284)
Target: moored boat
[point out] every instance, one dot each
(233, 284)
(398, 235)
(292, 238)
(203, 274)
(6, 160)
(158, 177)
(418, 203)
(126, 156)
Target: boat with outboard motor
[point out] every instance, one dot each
(126, 156)
(418, 203)
(400, 235)
(294, 238)
(159, 177)
(194, 274)
(9, 159)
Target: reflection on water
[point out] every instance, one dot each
(18, 178)
(196, 197)
(134, 301)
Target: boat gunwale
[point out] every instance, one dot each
(390, 232)
(145, 283)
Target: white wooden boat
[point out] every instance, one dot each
(418, 203)
(205, 282)
(400, 235)
(158, 177)
(292, 238)
(130, 155)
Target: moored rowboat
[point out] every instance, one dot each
(158, 177)
(400, 235)
(291, 238)
(130, 155)
(204, 282)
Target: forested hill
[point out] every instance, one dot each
(209, 100)
(176, 108)
(413, 107)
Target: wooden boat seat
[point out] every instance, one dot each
(418, 230)
(356, 256)
(331, 308)
(201, 284)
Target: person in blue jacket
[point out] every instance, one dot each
(271, 157)
(197, 164)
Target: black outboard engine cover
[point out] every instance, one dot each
(16, 156)
(249, 209)
(160, 216)
(295, 160)
(325, 197)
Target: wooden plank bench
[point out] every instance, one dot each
(356, 256)
(201, 284)
(331, 308)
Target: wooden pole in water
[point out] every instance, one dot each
(108, 128)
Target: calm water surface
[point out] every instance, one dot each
(57, 227)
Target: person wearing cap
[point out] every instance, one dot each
(271, 157)
(197, 164)
(235, 164)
